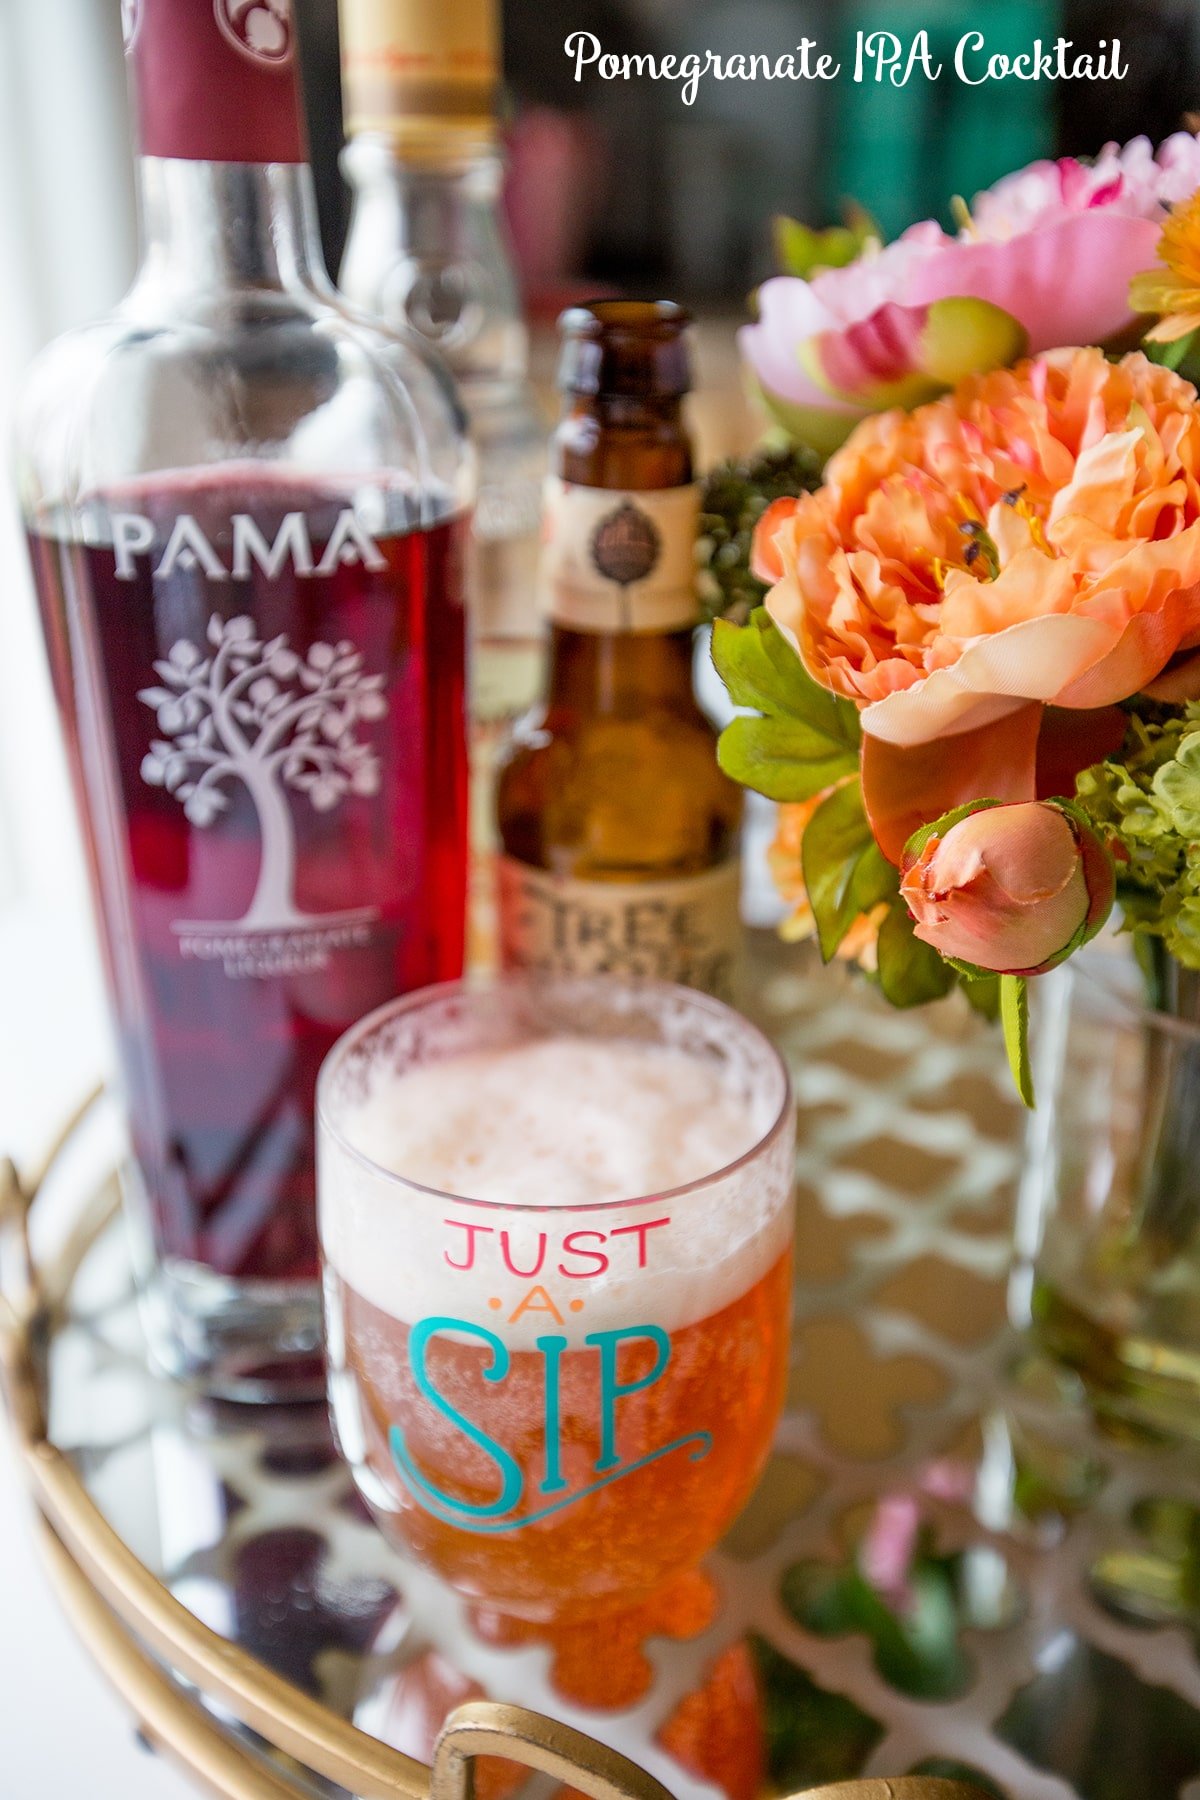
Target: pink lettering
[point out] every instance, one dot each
(642, 1227)
(511, 1265)
(470, 1230)
(572, 1247)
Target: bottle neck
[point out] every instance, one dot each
(218, 226)
(634, 441)
(621, 675)
(428, 249)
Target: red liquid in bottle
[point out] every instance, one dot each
(263, 702)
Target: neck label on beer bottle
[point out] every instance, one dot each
(616, 561)
(686, 929)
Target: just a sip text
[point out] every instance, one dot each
(879, 56)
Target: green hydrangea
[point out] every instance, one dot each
(1177, 787)
(1146, 802)
(734, 498)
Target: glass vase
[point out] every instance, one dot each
(1108, 1238)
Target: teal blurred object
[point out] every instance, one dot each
(903, 151)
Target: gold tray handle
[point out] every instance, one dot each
(906, 1787)
(20, 1282)
(20, 1307)
(489, 1728)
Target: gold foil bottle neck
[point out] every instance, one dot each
(422, 73)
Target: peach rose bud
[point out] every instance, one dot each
(1011, 889)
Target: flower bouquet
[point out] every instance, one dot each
(974, 683)
(972, 680)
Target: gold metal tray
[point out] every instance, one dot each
(948, 1575)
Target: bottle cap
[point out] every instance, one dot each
(625, 347)
(214, 82)
(423, 73)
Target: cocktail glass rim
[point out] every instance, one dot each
(472, 987)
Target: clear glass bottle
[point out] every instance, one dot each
(427, 249)
(246, 518)
(620, 832)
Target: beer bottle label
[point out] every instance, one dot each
(686, 930)
(615, 561)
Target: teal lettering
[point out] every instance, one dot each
(512, 1483)
(552, 1349)
(612, 1390)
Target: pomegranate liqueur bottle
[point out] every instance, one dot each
(245, 516)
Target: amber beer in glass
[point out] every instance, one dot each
(556, 1223)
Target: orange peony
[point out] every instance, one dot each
(1028, 544)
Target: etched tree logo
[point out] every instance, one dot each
(260, 714)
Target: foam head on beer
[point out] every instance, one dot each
(557, 1274)
(561, 1121)
(555, 1124)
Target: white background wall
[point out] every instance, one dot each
(66, 248)
(66, 251)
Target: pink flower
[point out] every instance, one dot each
(889, 1549)
(1049, 251)
(1012, 889)
(1129, 180)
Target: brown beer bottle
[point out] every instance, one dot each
(619, 831)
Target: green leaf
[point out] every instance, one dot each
(760, 669)
(782, 758)
(801, 251)
(910, 972)
(845, 871)
(1014, 1016)
(983, 993)
(1176, 353)
(808, 739)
